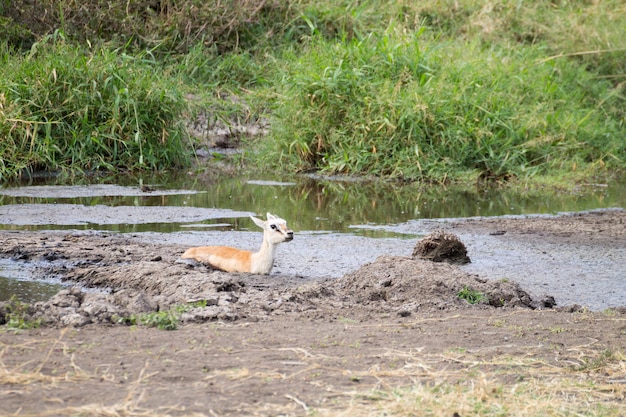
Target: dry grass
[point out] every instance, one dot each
(129, 406)
(585, 383)
(579, 381)
(30, 373)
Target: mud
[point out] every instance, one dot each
(136, 275)
(134, 278)
(299, 342)
(74, 214)
(578, 258)
(441, 246)
(91, 190)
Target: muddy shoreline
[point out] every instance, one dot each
(142, 273)
(295, 345)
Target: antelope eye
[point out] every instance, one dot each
(273, 227)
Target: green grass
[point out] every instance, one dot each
(162, 320)
(391, 105)
(471, 296)
(433, 91)
(65, 107)
(454, 91)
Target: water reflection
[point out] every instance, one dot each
(26, 291)
(323, 205)
(335, 206)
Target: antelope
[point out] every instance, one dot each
(229, 259)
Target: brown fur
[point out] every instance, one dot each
(229, 259)
(221, 257)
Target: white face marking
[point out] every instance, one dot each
(274, 228)
(279, 232)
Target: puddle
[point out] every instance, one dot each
(345, 217)
(179, 203)
(17, 280)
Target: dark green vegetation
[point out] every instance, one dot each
(471, 296)
(15, 316)
(432, 90)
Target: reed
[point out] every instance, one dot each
(66, 107)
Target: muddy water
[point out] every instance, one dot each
(16, 281)
(308, 204)
(339, 224)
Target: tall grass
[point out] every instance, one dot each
(431, 90)
(165, 27)
(68, 107)
(455, 90)
(392, 105)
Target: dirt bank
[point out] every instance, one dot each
(134, 277)
(578, 258)
(288, 344)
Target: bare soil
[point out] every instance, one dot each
(287, 344)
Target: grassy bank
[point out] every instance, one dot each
(457, 92)
(65, 107)
(434, 91)
(392, 105)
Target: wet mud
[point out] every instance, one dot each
(114, 277)
(341, 320)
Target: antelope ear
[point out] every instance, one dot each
(270, 216)
(258, 222)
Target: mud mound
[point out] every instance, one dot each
(119, 279)
(409, 285)
(198, 293)
(441, 246)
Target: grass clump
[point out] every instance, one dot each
(166, 27)
(162, 320)
(471, 296)
(452, 91)
(17, 315)
(64, 107)
(393, 105)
